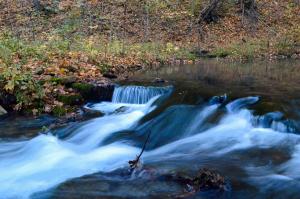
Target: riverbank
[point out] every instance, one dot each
(61, 92)
(55, 56)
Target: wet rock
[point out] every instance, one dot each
(159, 80)
(79, 116)
(94, 92)
(2, 111)
(103, 92)
(218, 99)
(122, 109)
(89, 114)
(207, 179)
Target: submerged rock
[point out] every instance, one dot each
(218, 99)
(122, 109)
(87, 114)
(207, 179)
(66, 118)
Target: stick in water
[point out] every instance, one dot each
(134, 163)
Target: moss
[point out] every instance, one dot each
(104, 67)
(59, 111)
(68, 81)
(56, 80)
(70, 99)
(84, 89)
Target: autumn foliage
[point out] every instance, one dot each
(45, 41)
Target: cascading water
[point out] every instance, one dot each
(183, 136)
(137, 94)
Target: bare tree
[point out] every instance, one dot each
(249, 9)
(207, 14)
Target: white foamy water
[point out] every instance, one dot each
(137, 94)
(38, 164)
(27, 167)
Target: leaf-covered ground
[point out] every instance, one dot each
(47, 45)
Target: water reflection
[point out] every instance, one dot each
(266, 78)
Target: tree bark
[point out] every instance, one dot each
(208, 13)
(249, 8)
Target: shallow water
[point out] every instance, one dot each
(252, 138)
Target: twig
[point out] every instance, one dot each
(134, 163)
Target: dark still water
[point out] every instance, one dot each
(250, 135)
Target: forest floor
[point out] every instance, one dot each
(52, 52)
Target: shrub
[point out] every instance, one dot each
(20, 83)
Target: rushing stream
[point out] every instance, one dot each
(252, 138)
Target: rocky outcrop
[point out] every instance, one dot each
(94, 92)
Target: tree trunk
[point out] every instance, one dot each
(208, 14)
(249, 8)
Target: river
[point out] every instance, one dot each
(251, 137)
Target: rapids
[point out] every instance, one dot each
(259, 154)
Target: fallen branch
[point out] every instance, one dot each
(135, 163)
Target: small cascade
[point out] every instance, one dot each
(275, 121)
(138, 94)
(183, 137)
(236, 105)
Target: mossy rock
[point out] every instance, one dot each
(71, 99)
(94, 93)
(68, 81)
(84, 89)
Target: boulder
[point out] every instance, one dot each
(95, 92)
(70, 99)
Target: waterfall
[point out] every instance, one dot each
(138, 94)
